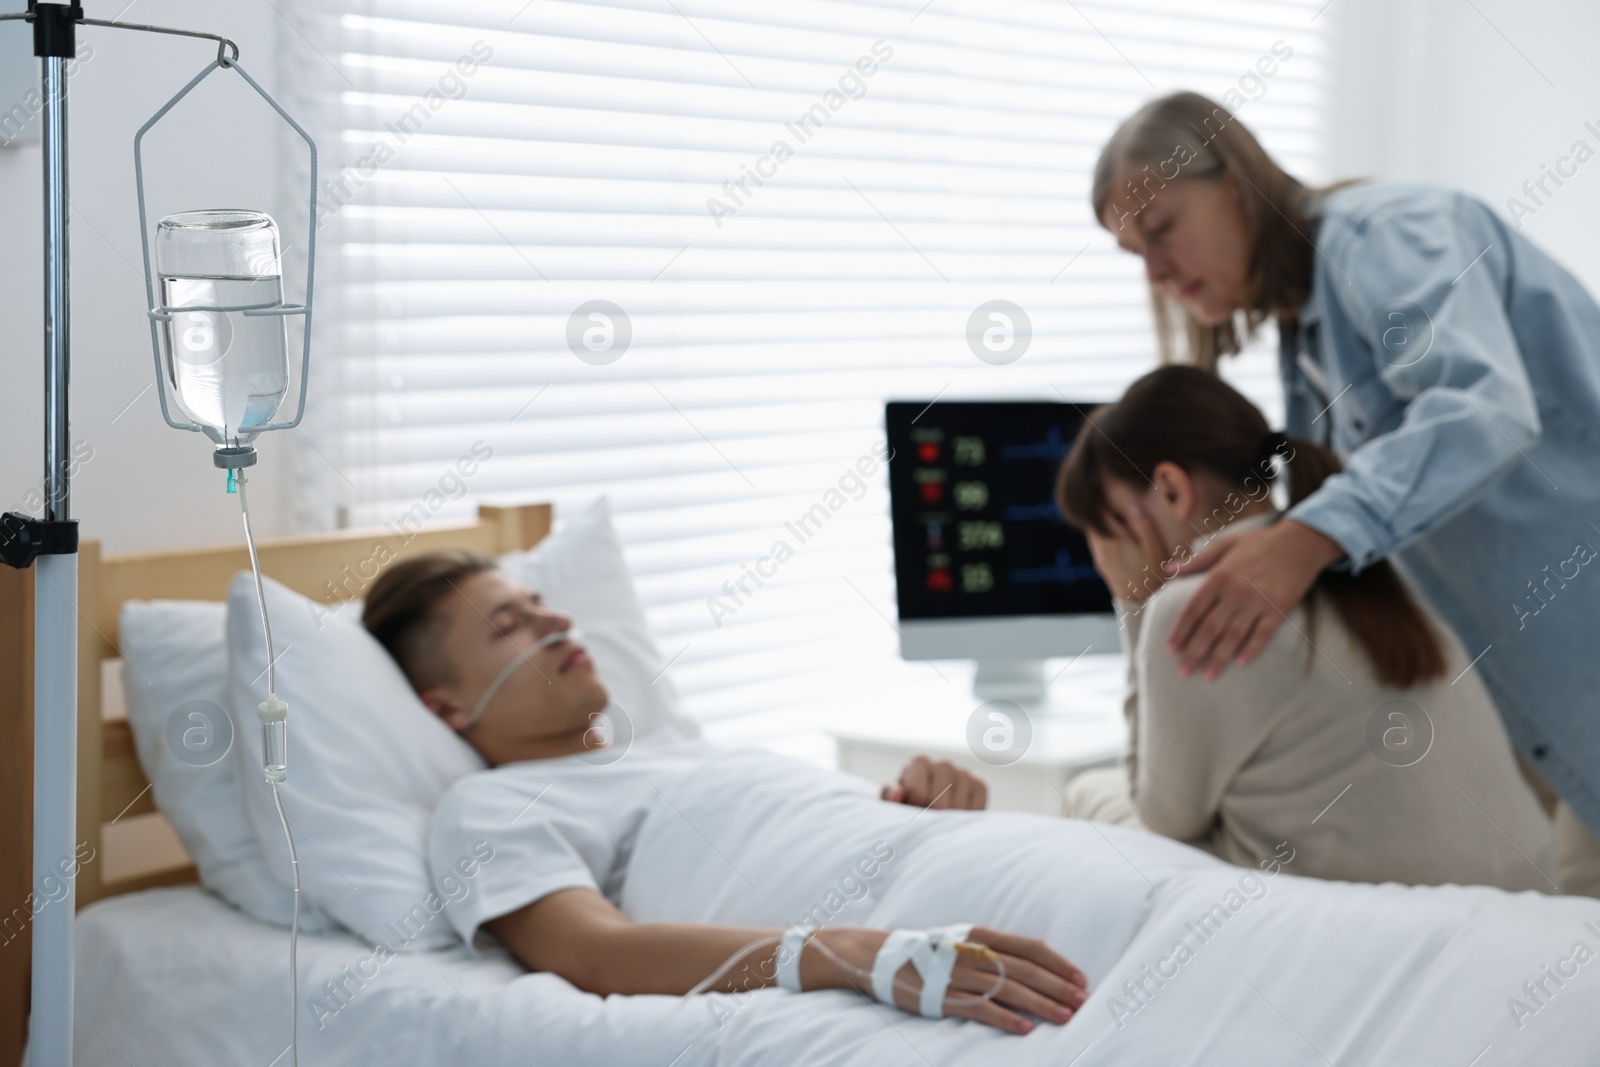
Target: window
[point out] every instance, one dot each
(681, 251)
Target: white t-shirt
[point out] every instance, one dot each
(539, 826)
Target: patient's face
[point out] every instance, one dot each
(545, 707)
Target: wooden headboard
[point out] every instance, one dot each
(111, 784)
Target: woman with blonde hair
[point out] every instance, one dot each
(1452, 366)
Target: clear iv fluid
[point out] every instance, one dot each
(228, 370)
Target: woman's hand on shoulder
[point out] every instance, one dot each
(1254, 579)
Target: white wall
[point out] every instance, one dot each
(146, 486)
(1476, 96)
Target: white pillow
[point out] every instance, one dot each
(175, 683)
(580, 570)
(367, 763)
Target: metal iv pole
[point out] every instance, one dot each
(55, 663)
(51, 543)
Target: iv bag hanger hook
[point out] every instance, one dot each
(224, 44)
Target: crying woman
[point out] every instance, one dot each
(1362, 735)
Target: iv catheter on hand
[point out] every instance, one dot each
(522, 659)
(882, 986)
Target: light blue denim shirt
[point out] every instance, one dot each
(1460, 385)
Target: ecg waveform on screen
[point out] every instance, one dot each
(1063, 570)
(1052, 448)
(1045, 509)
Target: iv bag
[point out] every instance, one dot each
(228, 371)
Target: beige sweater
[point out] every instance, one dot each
(1365, 782)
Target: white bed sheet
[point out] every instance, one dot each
(1311, 972)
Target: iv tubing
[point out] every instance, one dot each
(277, 796)
(294, 936)
(261, 596)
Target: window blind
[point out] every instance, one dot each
(681, 251)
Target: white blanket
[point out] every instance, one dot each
(1272, 970)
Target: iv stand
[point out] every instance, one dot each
(52, 542)
(55, 648)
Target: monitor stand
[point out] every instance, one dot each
(1019, 680)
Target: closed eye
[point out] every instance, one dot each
(507, 619)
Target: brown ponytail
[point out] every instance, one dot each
(1184, 415)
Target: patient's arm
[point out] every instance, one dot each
(579, 935)
(937, 784)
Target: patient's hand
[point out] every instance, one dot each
(1039, 980)
(937, 784)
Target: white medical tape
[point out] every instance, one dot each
(931, 953)
(940, 953)
(790, 946)
(896, 949)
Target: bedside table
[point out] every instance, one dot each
(1025, 752)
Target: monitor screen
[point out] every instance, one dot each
(976, 531)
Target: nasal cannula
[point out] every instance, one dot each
(520, 660)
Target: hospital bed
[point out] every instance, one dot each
(1191, 961)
